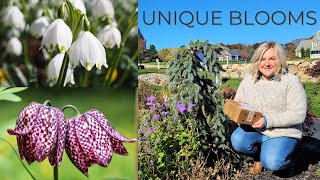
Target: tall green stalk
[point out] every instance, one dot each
(134, 21)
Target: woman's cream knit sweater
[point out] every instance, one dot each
(283, 103)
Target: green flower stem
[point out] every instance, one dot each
(47, 103)
(86, 78)
(72, 107)
(25, 167)
(75, 22)
(55, 172)
(131, 25)
(127, 69)
(63, 71)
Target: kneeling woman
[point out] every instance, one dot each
(281, 98)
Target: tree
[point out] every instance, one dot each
(165, 54)
(302, 52)
(291, 50)
(307, 53)
(153, 51)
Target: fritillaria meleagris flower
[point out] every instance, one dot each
(41, 133)
(91, 139)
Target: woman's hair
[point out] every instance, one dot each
(280, 57)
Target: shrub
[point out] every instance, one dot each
(165, 143)
(191, 80)
(314, 71)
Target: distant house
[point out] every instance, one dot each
(224, 56)
(312, 44)
(235, 55)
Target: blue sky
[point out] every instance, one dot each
(165, 35)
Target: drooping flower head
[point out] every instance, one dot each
(14, 17)
(54, 68)
(58, 33)
(103, 8)
(41, 132)
(14, 46)
(91, 139)
(110, 36)
(87, 50)
(39, 26)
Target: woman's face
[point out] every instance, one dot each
(268, 64)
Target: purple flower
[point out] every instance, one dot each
(181, 107)
(153, 108)
(41, 132)
(91, 139)
(165, 105)
(151, 98)
(190, 106)
(175, 117)
(155, 116)
(164, 113)
(145, 123)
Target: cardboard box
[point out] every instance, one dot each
(241, 112)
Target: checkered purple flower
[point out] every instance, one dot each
(41, 132)
(91, 139)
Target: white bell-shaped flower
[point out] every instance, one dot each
(58, 33)
(109, 36)
(14, 46)
(79, 4)
(33, 3)
(103, 8)
(89, 51)
(54, 68)
(39, 26)
(14, 17)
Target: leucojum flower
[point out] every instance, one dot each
(87, 50)
(58, 33)
(14, 46)
(54, 67)
(39, 26)
(110, 36)
(42, 131)
(14, 17)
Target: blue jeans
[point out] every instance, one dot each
(274, 153)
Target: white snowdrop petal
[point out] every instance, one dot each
(14, 46)
(103, 8)
(54, 68)
(14, 17)
(39, 26)
(58, 33)
(89, 51)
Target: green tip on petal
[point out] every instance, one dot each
(87, 65)
(99, 65)
(51, 46)
(63, 49)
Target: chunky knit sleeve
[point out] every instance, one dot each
(296, 107)
(240, 92)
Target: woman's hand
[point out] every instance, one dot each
(259, 124)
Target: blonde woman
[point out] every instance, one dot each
(281, 98)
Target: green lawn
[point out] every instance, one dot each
(154, 63)
(118, 105)
(152, 70)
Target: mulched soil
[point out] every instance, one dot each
(306, 163)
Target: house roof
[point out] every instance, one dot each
(316, 37)
(140, 34)
(305, 44)
(235, 52)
